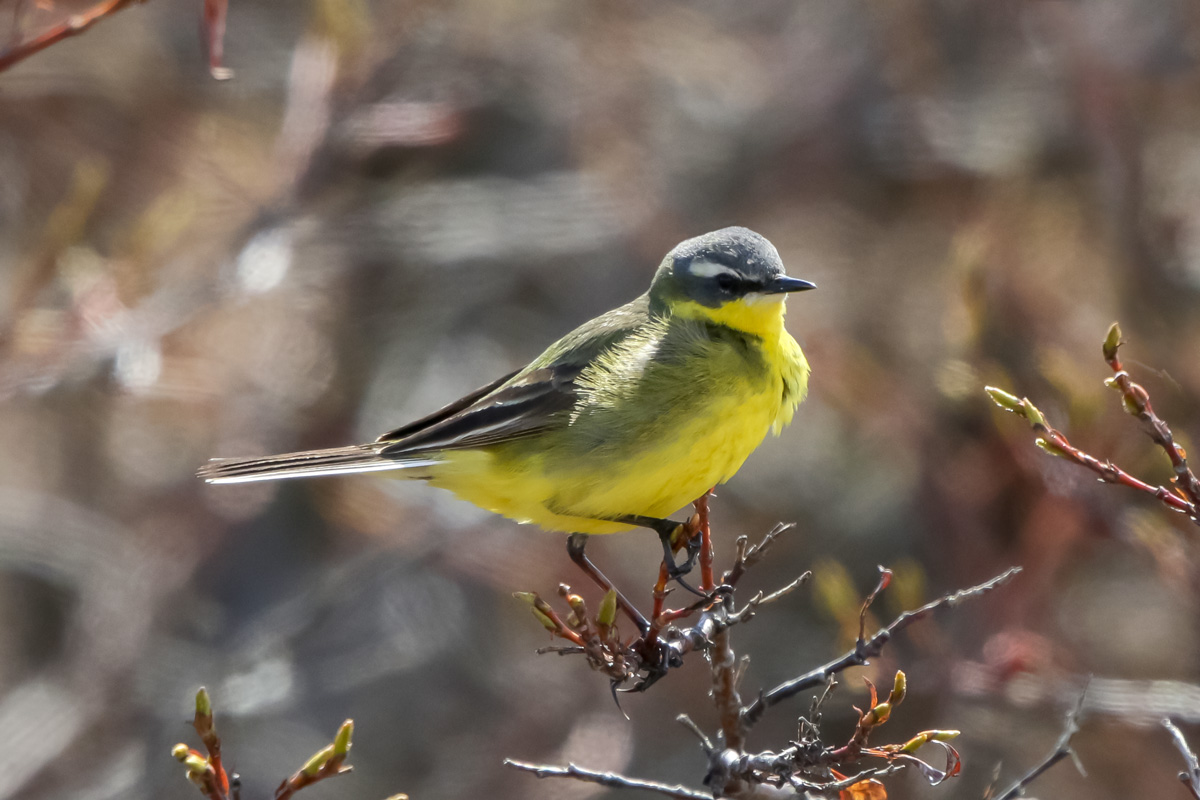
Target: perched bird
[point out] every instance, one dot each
(620, 423)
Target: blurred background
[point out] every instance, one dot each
(395, 201)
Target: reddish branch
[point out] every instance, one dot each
(1186, 497)
(207, 773)
(214, 37)
(71, 26)
(707, 584)
(1137, 402)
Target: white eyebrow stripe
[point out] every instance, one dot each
(710, 269)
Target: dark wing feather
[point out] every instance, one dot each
(534, 402)
(446, 411)
(525, 403)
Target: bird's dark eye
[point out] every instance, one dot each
(726, 282)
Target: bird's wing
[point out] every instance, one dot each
(521, 406)
(537, 398)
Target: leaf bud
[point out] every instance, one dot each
(318, 761)
(341, 743)
(1112, 341)
(607, 614)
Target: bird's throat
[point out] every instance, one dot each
(761, 316)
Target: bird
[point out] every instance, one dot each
(620, 423)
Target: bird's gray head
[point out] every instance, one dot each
(722, 267)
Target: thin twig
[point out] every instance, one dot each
(610, 779)
(759, 599)
(1186, 497)
(71, 26)
(749, 555)
(724, 692)
(1062, 749)
(865, 650)
(846, 783)
(1110, 472)
(690, 724)
(1137, 402)
(1191, 777)
(707, 584)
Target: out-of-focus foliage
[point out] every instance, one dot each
(394, 202)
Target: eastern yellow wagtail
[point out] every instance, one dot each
(620, 423)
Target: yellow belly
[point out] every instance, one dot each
(656, 483)
(659, 445)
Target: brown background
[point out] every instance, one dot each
(394, 202)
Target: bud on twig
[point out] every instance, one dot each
(1112, 341)
(317, 762)
(1009, 402)
(899, 688)
(203, 703)
(341, 743)
(607, 614)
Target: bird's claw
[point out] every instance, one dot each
(683, 536)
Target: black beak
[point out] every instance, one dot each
(782, 283)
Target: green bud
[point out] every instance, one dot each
(1009, 402)
(203, 703)
(944, 736)
(1033, 413)
(899, 688)
(526, 597)
(196, 765)
(607, 615)
(341, 743)
(1049, 447)
(1112, 341)
(547, 623)
(317, 762)
(881, 713)
(180, 751)
(1112, 384)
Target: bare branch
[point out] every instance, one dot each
(865, 650)
(610, 779)
(1062, 749)
(724, 692)
(1191, 777)
(759, 599)
(71, 26)
(749, 555)
(690, 724)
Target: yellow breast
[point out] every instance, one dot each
(573, 485)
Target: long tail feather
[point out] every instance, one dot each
(307, 464)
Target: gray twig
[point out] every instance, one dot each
(1191, 777)
(611, 779)
(865, 650)
(1062, 749)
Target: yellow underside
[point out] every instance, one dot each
(657, 483)
(537, 484)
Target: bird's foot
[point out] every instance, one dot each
(683, 536)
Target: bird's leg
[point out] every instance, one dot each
(672, 535)
(576, 543)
